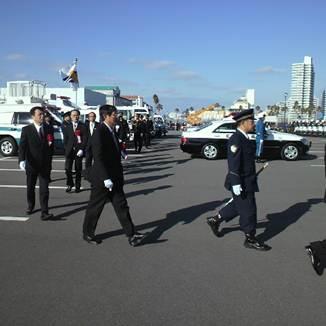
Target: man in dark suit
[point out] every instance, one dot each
(35, 157)
(91, 125)
(75, 142)
(107, 179)
(241, 180)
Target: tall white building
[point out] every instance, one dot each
(302, 83)
(250, 96)
(323, 104)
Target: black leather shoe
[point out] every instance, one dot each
(315, 262)
(136, 239)
(215, 222)
(68, 189)
(252, 242)
(46, 216)
(29, 211)
(77, 190)
(91, 239)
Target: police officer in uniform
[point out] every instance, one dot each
(241, 180)
(260, 133)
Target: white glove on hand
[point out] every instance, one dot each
(237, 190)
(80, 153)
(108, 184)
(22, 165)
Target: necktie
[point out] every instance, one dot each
(115, 140)
(75, 126)
(40, 133)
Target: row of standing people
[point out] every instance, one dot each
(142, 127)
(106, 173)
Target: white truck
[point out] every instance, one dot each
(13, 117)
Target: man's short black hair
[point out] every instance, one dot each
(107, 109)
(32, 110)
(94, 114)
(67, 114)
(75, 110)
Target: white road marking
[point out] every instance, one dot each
(13, 218)
(316, 151)
(318, 165)
(11, 159)
(19, 170)
(24, 187)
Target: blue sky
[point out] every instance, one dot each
(187, 52)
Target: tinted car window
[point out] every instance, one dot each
(226, 127)
(23, 118)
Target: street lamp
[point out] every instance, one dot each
(285, 97)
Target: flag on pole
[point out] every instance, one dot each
(70, 75)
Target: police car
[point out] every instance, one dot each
(210, 141)
(14, 117)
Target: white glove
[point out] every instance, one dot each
(22, 165)
(80, 153)
(237, 190)
(108, 184)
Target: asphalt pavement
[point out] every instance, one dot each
(183, 274)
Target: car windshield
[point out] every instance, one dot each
(203, 126)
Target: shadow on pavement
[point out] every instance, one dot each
(146, 191)
(147, 179)
(184, 215)
(278, 222)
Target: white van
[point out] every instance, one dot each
(13, 117)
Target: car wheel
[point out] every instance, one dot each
(290, 152)
(209, 151)
(8, 146)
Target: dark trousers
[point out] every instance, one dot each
(31, 178)
(98, 198)
(245, 206)
(147, 139)
(78, 168)
(138, 142)
(89, 158)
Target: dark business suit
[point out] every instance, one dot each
(37, 152)
(242, 171)
(72, 145)
(107, 165)
(89, 154)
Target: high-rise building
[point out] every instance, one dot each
(323, 104)
(302, 83)
(250, 96)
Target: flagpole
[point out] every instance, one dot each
(76, 87)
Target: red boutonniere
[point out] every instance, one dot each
(78, 135)
(50, 139)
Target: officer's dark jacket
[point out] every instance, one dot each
(241, 163)
(107, 157)
(36, 151)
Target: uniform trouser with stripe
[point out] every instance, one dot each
(245, 206)
(259, 146)
(31, 179)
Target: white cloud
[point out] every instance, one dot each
(269, 70)
(15, 56)
(21, 75)
(152, 64)
(185, 75)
